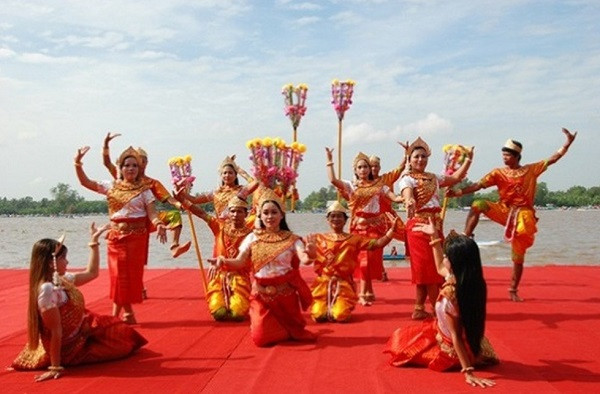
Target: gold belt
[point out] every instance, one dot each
(138, 227)
(271, 291)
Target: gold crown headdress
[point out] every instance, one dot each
(229, 161)
(142, 152)
(360, 156)
(510, 144)
(374, 159)
(336, 206)
(419, 143)
(270, 195)
(129, 152)
(237, 202)
(59, 244)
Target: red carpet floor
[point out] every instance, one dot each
(550, 343)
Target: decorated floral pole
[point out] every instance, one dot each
(181, 173)
(454, 156)
(279, 173)
(294, 98)
(341, 99)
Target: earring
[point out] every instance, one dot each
(55, 276)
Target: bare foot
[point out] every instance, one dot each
(178, 250)
(514, 296)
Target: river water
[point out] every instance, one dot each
(568, 237)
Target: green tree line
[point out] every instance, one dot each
(66, 201)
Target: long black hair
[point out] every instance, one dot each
(471, 289)
(283, 224)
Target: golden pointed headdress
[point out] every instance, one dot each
(270, 195)
(236, 202)
(374, 159)
(419, 143)
(229, 161)
(336, 206)
(142, 152)
(360, 156)
(129, 152)
(60, 242)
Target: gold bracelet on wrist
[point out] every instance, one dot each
(467, 370)
(56, 368)
(561, 151)
(93, 244)
(78, 163)
(435, 241)
(329, 163)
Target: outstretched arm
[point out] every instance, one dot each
(81, 175)
(563, 149)
(91, 272)
(106, 154)
(238, 262)
(387, 237)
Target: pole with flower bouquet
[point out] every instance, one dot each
(341, 99)
(181, 174)
(454, 156)
(275, 163)
(294, 98)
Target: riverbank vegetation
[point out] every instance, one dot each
(66, 201)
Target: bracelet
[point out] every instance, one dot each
(458, 193)
(467, 370)
(468, 159)
(435, 241)
(156, 222)
(78, 164)
(93, 244)
(105, 149)
(562, 151)
(329, 163)
(56, 368)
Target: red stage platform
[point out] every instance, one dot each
(550, 343)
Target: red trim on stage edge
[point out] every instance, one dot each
(548, 343)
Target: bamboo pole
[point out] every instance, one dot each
(198, 253)
(339, 196)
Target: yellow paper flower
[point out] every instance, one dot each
(335, 82)
(301, 148)
(303, 86)
(187, 159)
(294, 145)
(351, 82)
(267, 141)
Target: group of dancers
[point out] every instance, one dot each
(256, 258)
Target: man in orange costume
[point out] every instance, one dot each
(228, 291)
(333, 290)
(516, 185)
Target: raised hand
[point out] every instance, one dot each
(427, 228)
(109, 137)
(570, 136)
(80, 153)
(329, 152)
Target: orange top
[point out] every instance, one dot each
(516, 187)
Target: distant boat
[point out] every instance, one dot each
(394, 257)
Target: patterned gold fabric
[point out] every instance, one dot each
(122, 192)
(426, 187)
(269, 245)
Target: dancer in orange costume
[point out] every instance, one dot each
(171, 218)
(420, 192)
(367, 201)
(455, 338)
(516, 185)
(130, 208)
(273, 253)
(61, 331)
(228, 291)
(333, 290)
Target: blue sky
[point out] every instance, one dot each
(203, 77)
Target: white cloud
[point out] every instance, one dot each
(307, 20)
(40, 58)
(6, 53)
